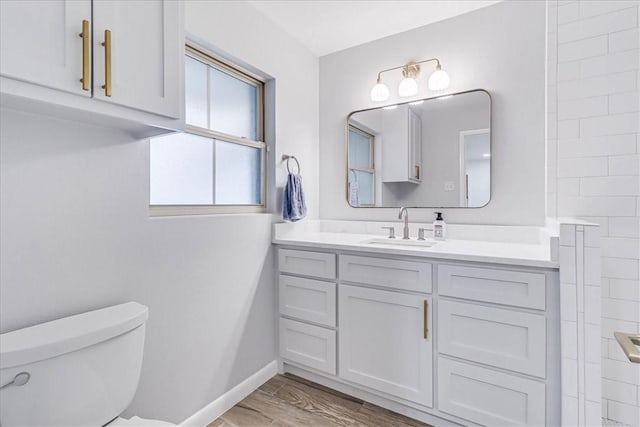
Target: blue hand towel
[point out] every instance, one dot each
(293, 206)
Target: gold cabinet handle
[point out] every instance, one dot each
(425, 324)
(107, 62)
(417, 171)
(466, 186)
(85, 55)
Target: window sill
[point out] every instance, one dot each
(170, 210)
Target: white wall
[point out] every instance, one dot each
(501, 49)
(76, 234)
(593, 164)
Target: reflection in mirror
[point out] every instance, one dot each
(429, 153)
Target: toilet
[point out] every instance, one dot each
(81, 370)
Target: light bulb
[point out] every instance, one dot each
(439, 80)
(380, 92)
(408, 87)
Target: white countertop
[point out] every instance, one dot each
(531, 252)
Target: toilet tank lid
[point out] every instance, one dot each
(50, 339)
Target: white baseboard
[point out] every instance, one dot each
(225, 402)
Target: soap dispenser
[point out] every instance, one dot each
(439, 227)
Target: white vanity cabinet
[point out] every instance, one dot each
(401, 145)
(307, 305)
(385, 343)
(468, 342)
(110, 62)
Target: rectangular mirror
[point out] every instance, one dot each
(429, 153)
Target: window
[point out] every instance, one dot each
(218, 163)
(361, 167)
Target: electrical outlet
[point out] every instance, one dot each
(449, 186)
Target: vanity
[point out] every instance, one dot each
(461, 331)
(487, 328)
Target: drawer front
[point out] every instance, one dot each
(391, 273)
(504, 338)
(488, 397)
(308, 345)
(315, 264)
(517, 288)
(306, 299)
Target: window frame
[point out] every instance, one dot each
(210, 59)
(372, 170)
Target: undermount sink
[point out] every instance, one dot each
(401, 242)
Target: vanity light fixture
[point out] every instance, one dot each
(438, 80)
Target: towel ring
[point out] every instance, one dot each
(287, 158)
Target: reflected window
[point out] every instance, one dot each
(361, 168)
(219, 160)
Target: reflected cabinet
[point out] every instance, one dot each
(432, 152)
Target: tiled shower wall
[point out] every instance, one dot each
(593, 150)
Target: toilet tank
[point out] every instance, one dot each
(84, 369)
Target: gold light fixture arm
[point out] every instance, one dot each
(408, 66)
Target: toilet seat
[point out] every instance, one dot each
(138, 422)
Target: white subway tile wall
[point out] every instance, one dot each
(580, 314)
(593, 146)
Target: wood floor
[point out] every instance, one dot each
(290, 401)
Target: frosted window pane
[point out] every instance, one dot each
(238, 173)
(365, 186)
(181, 170)
(233, 105)
(359, 150)
(196, 92)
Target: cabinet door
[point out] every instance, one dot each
(40, 42)
(385, 342)
(146, 54)
(394, 145)
(415, 147)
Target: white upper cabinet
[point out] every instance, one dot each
(401, 145)
(109, 62)
(40, 42)
(415, 146)
(141, 63)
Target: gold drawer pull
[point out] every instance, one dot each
(417, 171)
(107, 62)
(426, 320)
(85, 55)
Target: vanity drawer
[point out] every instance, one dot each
(391, 273)
(517, 288)
(308, 345)
(494, 336)
(316, 264)
(306, 299)
(488, 397)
